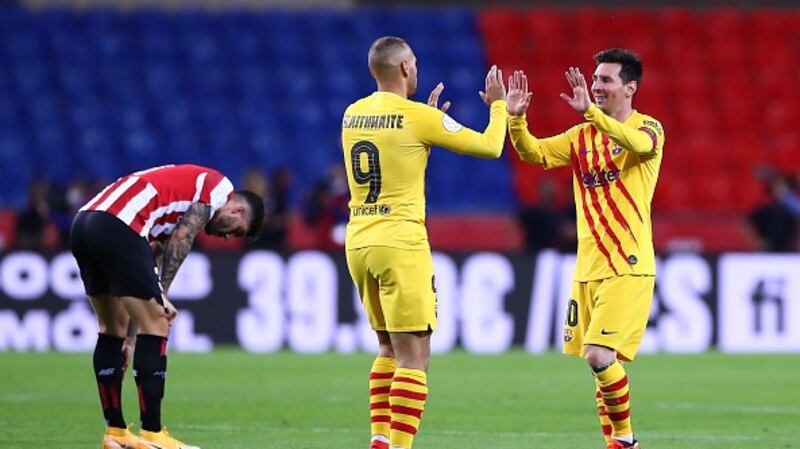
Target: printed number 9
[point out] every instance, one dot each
(373, 173)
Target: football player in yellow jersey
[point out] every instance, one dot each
(386, 140)
(615, 157)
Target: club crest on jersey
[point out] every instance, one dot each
(616, 150)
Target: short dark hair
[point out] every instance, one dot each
(256, 204)
(631, 63)
(381, 52)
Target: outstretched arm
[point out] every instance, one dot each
(550, 152)
(645, 140)
(180, 243)
(434, 128)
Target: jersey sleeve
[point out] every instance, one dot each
(647, 138)
(215, 190)
(435, 128)
(550, 152)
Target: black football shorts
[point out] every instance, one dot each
(112, 258)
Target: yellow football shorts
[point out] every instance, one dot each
(611, 312)
(396, 286)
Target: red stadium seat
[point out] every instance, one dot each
(633, 19)
(749, 191)
(748, 150)
(543, 22)
(768, 22)
(713, 191)
(679, 22)
(723, 22)
(672, 196)
(706, 153)
(781, 114)
(8, 226)
(786, 151)
(727, 52)
(717, 134)
(772, 51)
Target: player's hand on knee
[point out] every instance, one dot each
(170, 310)
(127, 351)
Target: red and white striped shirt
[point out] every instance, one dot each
(152, 201)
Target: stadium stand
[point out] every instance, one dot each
(98, 93)
(102, 93)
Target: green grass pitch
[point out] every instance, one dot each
(235, 400)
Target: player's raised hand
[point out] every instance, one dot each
(518, 96)
(579, 100)
(433, 98)
(495, 89)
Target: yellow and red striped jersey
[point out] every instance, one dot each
(615, 168)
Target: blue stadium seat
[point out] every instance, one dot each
(102, 92)
(16, 168)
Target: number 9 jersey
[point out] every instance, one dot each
(386, 141)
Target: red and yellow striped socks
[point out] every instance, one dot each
(613, 383)
(380, 382)
(407, 399)
(605, 422)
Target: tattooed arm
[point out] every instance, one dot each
(181, 241)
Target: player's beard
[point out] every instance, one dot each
(217, 223)
(412, 86)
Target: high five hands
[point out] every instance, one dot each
(518, 97)
(580, 100)
(495, 89)
(433, 98)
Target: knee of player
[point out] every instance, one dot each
(599, 357)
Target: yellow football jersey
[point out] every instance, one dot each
(615, 168)
(386, 141)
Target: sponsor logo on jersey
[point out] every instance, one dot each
(371, 210)
(596, 179)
